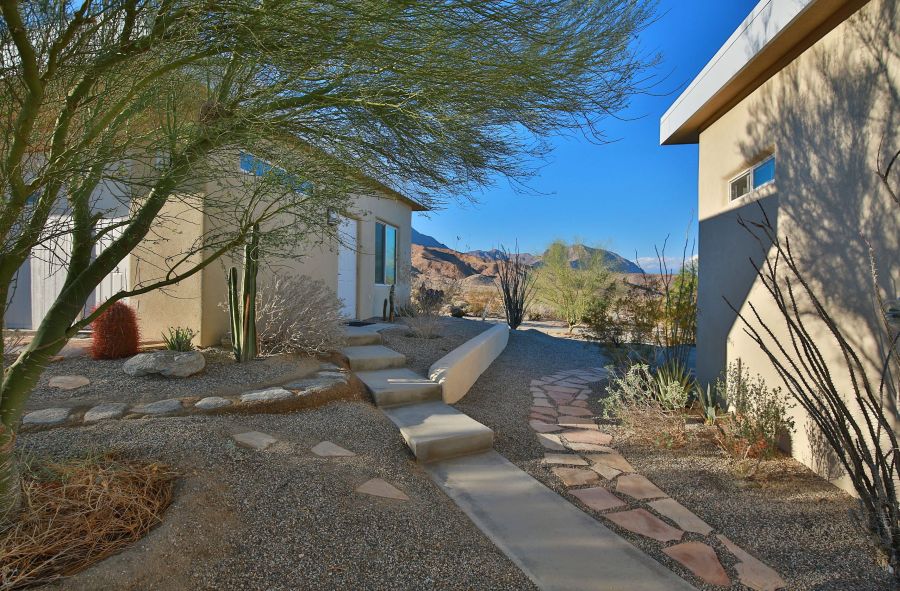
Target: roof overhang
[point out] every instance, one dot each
(773, 35)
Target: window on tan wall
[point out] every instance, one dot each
(752, 179)
(385, 253)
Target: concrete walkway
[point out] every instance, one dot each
(557, 545)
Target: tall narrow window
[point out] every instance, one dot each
(385, 253)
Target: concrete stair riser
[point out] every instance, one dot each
(436, 431)
(397, 387)
(373, 357)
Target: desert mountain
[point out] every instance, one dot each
(479, 266)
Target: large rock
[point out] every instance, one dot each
(171, 364)
(108, 410)
(47, 416)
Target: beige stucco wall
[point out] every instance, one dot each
(823, 116)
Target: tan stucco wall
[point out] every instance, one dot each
(823, 116)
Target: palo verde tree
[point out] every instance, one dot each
(117, 115)
(570, 278)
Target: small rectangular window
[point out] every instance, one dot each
(760, 175)
(385, 253)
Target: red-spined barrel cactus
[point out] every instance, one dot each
(115, 333)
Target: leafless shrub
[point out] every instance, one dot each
(298, 315)
(427, 302)
(516, 283)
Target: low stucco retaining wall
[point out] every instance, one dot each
(457, 370)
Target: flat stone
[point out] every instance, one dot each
(46, 416)
(701, 560)
(544, 411)
(598, 498)
(581, 397)
(212, 402)
(593, 447)
(642, 522)
(107, 410)
(751, 571)
(327, 449)
(268, 395)
(581, 403)
(171, 364)
(613, 460)
(68, 382)
(570, 421)
(575, 476)
(557, 389)
(379, 488)
(574, 411)
(543, 403)
(587, 436)
(538, 382)
(561, 398)
(568, 384)
(254, 440)
(550, 442)
(635, 485)
(681, 515)
(323, 381)
(542, 427)
(605, 471)
(160, 407)
(564, 460)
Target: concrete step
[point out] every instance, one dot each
(373, 357)
(437, 431)
(358, 336)
(395, 387)
(560, 547)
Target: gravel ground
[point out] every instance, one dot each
(222, 377)
(794, 521)
(285, 518)
(421, 353)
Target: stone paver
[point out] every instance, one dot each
(327, 449)
(605, 471)
(544, 410)
(575, 476)
(574, 411)
(641, 521)
(380, 488)
(160, 407)
(267, 395)
(701, 560)
(550, 442)
(564, 460)
(254, 440)
(637, 486)
(678, 513)
(46, 416)
(544, 403)
(107, 410)
(68, 382)
(587, 436)
(589, 447)
(568, 421)
(542, 427)
(598, 498)
(751, 572)
(212, 402)
(612, 460)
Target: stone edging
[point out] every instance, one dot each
(458, 370)
(600, 478)
(329, 383)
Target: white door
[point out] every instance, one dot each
(49, 265)
(347, 266)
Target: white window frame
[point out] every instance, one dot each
(752, 171)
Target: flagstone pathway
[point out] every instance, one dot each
(597, 476)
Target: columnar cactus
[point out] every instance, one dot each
(243, 306)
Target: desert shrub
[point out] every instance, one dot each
(298, 315)
(569, 287)
(427, 302)
(115, 333)
(758, 414)
(481, 302)
(458, 311)
(179, 339)
(640, 388)
(516, 283)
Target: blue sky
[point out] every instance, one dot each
(625, 196)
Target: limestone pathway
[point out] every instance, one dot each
(556, 544)
(601, 479)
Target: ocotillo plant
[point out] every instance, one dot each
(243, 307)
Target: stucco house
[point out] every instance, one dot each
(792, 116)
(372, 254)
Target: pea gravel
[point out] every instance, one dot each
(797, 523)
(285, 518)
(420, 352)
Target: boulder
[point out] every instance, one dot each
(171, 364)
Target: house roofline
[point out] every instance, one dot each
(773, 34)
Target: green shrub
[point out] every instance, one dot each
(759, 414)
(179, 339)
(640, 388)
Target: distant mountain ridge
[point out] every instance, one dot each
(432, 258)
